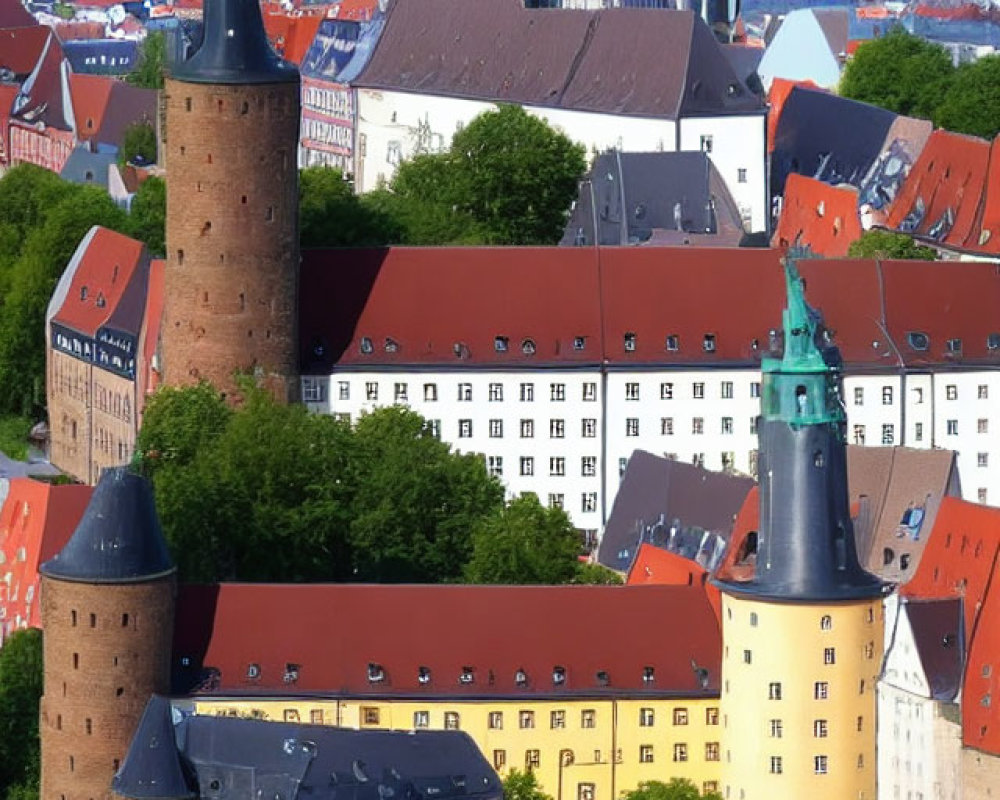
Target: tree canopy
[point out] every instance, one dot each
(523, 786)
(889, 245)
(972, 103)
(331, 215)
(148, 216)
(674, 789)
(152, 59)
(20, 692)
(138, 141)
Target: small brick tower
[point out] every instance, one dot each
(108, 610)
(232, 130)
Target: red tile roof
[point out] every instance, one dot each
(74, 30)
(20, 48)
(987, 237)
(495, 630)
(980, 715)
(13, 14)
(654, 566)
(90, 94)
(44, 89)
(291, 36)
(36, 520)
(948, 180)
(816, 215)
(100, 276)
(149, 337)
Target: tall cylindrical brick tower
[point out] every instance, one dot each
(107, 602)
(232, 129)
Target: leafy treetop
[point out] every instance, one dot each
(674, 789)
(889, 245)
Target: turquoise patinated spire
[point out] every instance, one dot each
(803, 386)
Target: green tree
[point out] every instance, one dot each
(178, 422)
(596, 574)
(139, 140)
(14, 436)
(972, 104)
(524, 543)
(674, 789)
(148, 216)
(523, 786)
(900, 72)
(889, 245)
(149, 68)
(331, 215)
(20, 692)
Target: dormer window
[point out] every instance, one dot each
(83, 293)
(918, 340)
(579, 342)
(954, 347)
(423, 675)
(603, 678)
(291, 673)
(366, 346)
(500, 344)
(708, 343)
(629, 342)
(673, 343)
(391, 345)
(101, 302)
(993, 341)
(648, 675)
(521, 678)
(558, 676)
(253, 671)
(467, 677)
(375, 673)
(528, 347)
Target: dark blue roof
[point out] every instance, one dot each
(235, 49)
(119, 539)
(152, 768)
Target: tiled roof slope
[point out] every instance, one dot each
(358, 307)
(392, 631)
(44, 99)
(938, 634)
(20, 48)
(13, 14)
(987, 237)
(655, 566)
(816, 215)
(574, 59)
(777, 95)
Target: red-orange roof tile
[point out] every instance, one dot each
(816, 215)
(980, 712)
(987, 238)
(291, 36)
(20, 48)
(446, 629)
(654, 566)
(13, 14)
(90, 94)
(149, 337)
(69, 31)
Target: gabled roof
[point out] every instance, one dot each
(291, 36)
(20, 48)
(90, 94)
(152, 767)
(981, 688)
(940, 641)
(262, 638)
(777, 95)
(987, 237)
(941, 198)
(43, 98)
(672, 505)
(13, 14)
(903, 144)
(806, 47)
(104, 107)
(96, 279)
(818, 216)
(655, 566)
(499, 50)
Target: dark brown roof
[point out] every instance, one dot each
(499, 50)
(14, 15)
(937, 632)
(285, 631)
(446, 306)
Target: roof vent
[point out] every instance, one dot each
(460, 349)
(954, 347)
(253, 671)
(500, 344)
(579, 342)
(648, 675)
(629, 342)
(468, 676)
(528, 347)
(673, 343)
(391, 345)
(291, 673)
(375, 673)
(423, 675)
(558, 676)
(993, 341)
(708, 343)
(603, 678)
(366, 346)
(520, 678)
(918, 340)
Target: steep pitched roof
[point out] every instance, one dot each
(777, 96)
(90, 95)
(940, 199)
(499, 50)
(938, 635)
(980, 715)
(43, 98)
(816, 215)
(654, 566)
(152, 766)
(13, 14)
(20, 48)
(291, 36)
(386, 634)
(904, 142)
(987, 237)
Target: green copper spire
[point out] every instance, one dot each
(803, 386)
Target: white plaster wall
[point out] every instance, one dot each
(872, 402)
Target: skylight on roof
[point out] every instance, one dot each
(423, 675)
(391, 345)
(630, 342)
(521, 678)
(708, 343)
(579, 342)
(954, 346)
(500, 344)
(558, 676)
(467, 677)
(366, 345)
(528, 347)
(672, 343)
(375, 673)
(993, 341)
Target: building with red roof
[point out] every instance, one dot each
(36, 520)
(818, 217)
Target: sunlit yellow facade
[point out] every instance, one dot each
(798, 698)
(580, 749)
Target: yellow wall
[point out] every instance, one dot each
(617, 729)
(786, 644)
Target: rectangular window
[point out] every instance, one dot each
(859, 434)
(887, 395)
(666, 391)
(755, 389)
(585, 791)
(951, 391)
(711, 751)
(982, 426)
(371, 391)
(496, 392)
(496, 428)
(526, 719)
(589, 392)
(465, 392)
(774, 691)
(465, 429)
(430, 392)
(632, 426)
(588, 718)
(888, 434)
(698, 459)
(421, 719)
(741, 175)
(820, 729)
(557, 428)
(698, 425)
(434, 426)
(698, 391)
(527, 392)
(821, 690)
(747, 657)
(588, 466)
(667, 426)
(727, 425)
(344, 390)
(622, 466)
(557, 719)
(557, 500)
(983, 459)
(495, 720)
(680, 751)
(680, 716)
(527, 466)
(754, 421)
(499, 759)
(495, 466)
(314, 390)
(527, 428)
(711, 716)
(631, 391)
(647, 717)
(588, 502)
(819, 765)
(646, 754)
(982, 493)
(727, 390)
(588, 428)
(776, 765)
(705, 147)
(918, 431)
(859, 396)
(532, 759)
(451, 721)
(983, 392)
(557, 466)
(557, 392)
(953, 427)
(775, 728)
(370, 715)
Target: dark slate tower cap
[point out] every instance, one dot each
(119, 539)
(235, 49)
(152, 768)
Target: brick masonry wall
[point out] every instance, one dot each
(68, 390)
(232, 235)
(106, 649)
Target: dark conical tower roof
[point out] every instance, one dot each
(119, 539)
(234, 49)
(152, 768)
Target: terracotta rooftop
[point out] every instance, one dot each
(987, 238)
(291, 36)
(14, 15)
(241, 638)
(654, 566)
(20, 48)
(816, 215)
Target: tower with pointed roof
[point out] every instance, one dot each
(802, 621)
(107, 601)
(232, 130)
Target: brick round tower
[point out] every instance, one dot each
(107, 603)
(232, 129)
